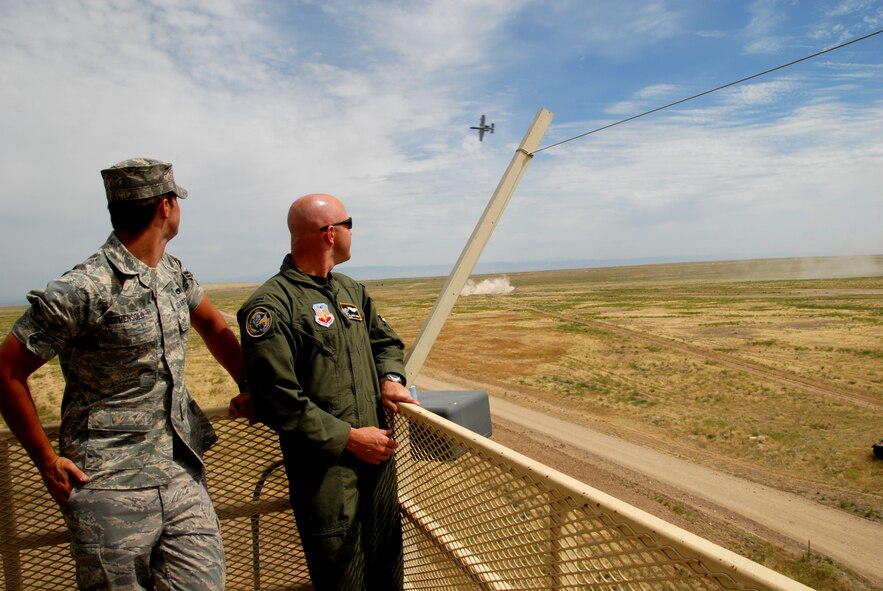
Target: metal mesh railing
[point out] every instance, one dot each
(248, 487)
(476, 515)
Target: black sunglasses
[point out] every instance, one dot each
(348, 222)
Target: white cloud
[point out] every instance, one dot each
(616, 30)
(747, 189)
(646, 98)
(759, 93)
(431, 35)
(248, 125)
(257, 103)
(711, 34)
(850, 7)
(762, 29)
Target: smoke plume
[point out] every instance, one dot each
(497, 286)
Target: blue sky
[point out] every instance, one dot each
(257, 103)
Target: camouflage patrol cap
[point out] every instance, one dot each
(139, 178)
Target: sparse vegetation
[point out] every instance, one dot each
(769, 354)
(776, 379)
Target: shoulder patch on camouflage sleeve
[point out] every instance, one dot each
(258, 322)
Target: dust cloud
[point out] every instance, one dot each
(496, 286)
(814, 267)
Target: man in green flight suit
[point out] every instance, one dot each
(322, 364)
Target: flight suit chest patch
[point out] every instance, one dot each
(350, 312)
(323, 315)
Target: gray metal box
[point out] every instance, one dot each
(467, 408)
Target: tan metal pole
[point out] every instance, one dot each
(419, 350)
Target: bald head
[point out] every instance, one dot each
(314, 251)
(310, 212)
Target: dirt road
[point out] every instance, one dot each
(853, 542)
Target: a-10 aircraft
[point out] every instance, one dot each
(482, 128)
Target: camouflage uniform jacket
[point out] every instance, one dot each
(313, 354)
(120, 330)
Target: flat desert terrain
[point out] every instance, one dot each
(770, 371)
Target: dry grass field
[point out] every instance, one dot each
(735, 364)
(767, 369)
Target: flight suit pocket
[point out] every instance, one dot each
(335, 505)
(127, 351)
(183, 317)
(119, 439)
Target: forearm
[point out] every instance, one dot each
(59, 474)
(220, 340)
(224, 347)
(17, 404)
(20, 414)
(17, 362)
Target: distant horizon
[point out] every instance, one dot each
(870, 265)
(372, 272)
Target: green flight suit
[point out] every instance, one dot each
(313, 354)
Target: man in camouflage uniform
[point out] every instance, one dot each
(322, 365)
(129, 475)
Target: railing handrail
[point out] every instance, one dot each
(642, 522)
(564, 502)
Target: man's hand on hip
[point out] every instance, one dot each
(60, 477)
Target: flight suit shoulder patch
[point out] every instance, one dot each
(258, 322)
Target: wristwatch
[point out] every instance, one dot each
(392, 377)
